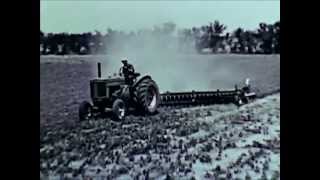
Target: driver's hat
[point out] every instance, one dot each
(124, 59)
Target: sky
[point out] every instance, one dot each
(78, 16)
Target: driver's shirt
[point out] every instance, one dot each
(127, 70)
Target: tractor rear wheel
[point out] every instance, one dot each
(148, 96)
(85, 111)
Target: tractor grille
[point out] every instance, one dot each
(98, 89)
(101, 90)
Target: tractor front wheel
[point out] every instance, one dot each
(119, 109)
(85, 111)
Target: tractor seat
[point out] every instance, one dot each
(136, 75)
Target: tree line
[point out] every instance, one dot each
(211, 38)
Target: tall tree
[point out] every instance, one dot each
(42, 42)
(238, 46)
(266, 35)
(214, 32)
(218, 28)
(277, 37)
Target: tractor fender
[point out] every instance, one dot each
(141, 79)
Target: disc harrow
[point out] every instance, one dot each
(196, 98)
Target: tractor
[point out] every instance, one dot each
(113, 96)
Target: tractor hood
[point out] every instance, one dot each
(110, 80)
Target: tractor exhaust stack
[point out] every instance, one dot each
(99, 70)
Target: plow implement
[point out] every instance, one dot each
(194, 98)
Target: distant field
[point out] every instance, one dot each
(64, 80)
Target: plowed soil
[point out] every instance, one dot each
(187, 143)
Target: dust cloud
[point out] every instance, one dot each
(175, 70)
(157, 56)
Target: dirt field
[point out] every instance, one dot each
(202, 143)
(191, 143)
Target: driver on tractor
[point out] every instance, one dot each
(127, 71)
